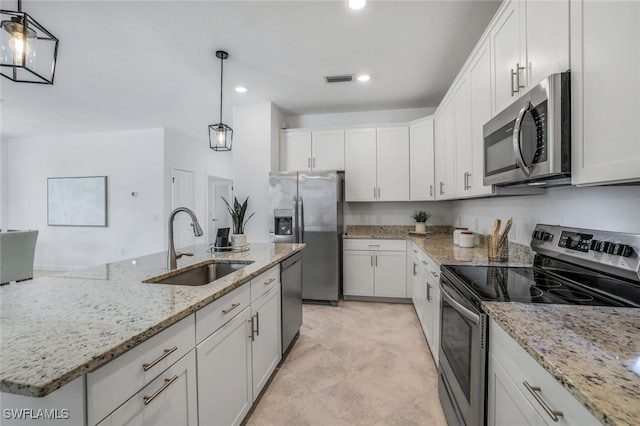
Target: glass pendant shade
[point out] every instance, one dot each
(220, 137)
(27, 50)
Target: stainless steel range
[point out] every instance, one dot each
(572, 266)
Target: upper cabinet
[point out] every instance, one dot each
(529, 41)
(445, 150)
(421, 158)
(377, 164)
(304, 150)
(605, 91)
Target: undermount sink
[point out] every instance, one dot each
(201, 275)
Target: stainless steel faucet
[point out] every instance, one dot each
(172, 255)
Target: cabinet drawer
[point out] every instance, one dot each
(217, 313)
(374, 244)
(521, 367)
(115, 382)
(264, 282)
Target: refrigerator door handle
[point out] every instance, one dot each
(295, 219)
(301, 212)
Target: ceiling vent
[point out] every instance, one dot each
(338, 78)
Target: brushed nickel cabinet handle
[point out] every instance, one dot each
(374, 192)
(516, 74)
(167, 383)
(226, 311)
(414, 269)
(314, 162)
(252, 336)
(534, 390)
(428, 292)
(441, 190)
(309, 162)
(257, 323)
(371, 260)
(270, 281)
(166, 353)
(430, 190)
(513, 76)
(378, 192)
(376, 256)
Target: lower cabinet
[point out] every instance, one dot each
(266, 346)
(168, 400)
(225, 373)
(521, 392)
(375, 268)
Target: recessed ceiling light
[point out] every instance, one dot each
(357, 4)
(241, 89)
(363, 77)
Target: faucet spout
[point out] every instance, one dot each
(172, 256)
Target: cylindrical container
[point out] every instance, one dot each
(456, 235)
(421, 227)
(466, 239)
(497, 252)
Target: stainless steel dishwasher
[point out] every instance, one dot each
(291, 278)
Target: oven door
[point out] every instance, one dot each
(462, 358)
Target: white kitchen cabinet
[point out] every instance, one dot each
(421, 154)
(266, 346)
(374, 268)
(445, 150)
(463, 137)
(605, 91)
(306, 150)
(170, 399)
(295, 150)
(377, 164)
(529, 41)
(393, 163)
(225, 392)
(513, 379)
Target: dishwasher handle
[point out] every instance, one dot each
(289, 262)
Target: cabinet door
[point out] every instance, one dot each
(506, 405)
(266, 345)
(421, 154)
(425, 319)
(547, 35)
(224, 373)
(506, 46)
(360, 165)
(445, 147)
(327, 149)
(295, 150)
(480, 76)
(389, 275)
(358, 273)
(434, 293)
(463, 157)
(393, 163)
(168, 400)
(605, 105)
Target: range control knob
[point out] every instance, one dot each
(594, 245)
(626, 250)
(534, 235)
(548, 236)
(606, 246)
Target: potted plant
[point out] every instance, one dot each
(237, 212)
(421, 218)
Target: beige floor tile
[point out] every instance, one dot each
(361, 363)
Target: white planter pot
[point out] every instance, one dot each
(421, 227)
(238, 240)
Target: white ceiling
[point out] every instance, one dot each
(140, 64)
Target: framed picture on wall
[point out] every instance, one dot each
(77, 201)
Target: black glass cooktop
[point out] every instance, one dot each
(535, 285)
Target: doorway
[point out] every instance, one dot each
(217, 214)
(182, 196)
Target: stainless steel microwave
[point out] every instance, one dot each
(529, 143)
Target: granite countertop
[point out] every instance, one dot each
(593, 351)
(57, 328)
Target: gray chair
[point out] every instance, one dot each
(17, 250)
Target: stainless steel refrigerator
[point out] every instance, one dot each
(306, 207)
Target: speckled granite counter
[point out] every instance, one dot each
(594, 352)
(57, 328)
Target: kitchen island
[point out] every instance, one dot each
(56, 329)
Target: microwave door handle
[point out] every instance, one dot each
(471, 316)
(517, 148)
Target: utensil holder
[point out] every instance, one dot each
(497, 252)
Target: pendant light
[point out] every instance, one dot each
(220, 135)
(27, 50)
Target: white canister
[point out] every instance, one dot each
(466, 239)
(456, 235)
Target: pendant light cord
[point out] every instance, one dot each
(19, 5)
(221, 69)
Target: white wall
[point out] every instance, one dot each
(611, 208)
(132, 161)
(358, 118)
(186, 153)
(4, 144)
(397, 213)
(252, 149)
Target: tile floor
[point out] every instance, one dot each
(360, 363)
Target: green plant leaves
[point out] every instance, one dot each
(237, 214)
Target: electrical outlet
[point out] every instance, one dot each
(363, 219)
(378, 220)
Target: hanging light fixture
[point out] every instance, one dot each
(220, 135)
(27, 50)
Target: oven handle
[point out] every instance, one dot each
(517, 148)
(471, 316)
